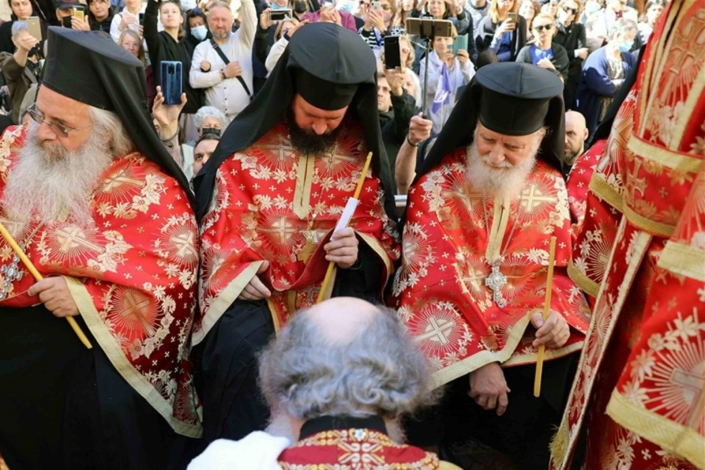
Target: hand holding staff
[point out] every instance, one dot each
(20, 254)
(546, 309)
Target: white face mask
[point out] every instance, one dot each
(199, 32)
(187, 5)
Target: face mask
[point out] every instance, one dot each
(626, 46)
(199, 32)
(275, 6)
(300, 7)
(187, 5)
(346, 6)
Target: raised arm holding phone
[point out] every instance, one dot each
(502, 31)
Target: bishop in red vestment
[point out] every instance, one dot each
(271, 196)
(638, 401)
(103, 213)
(475, 252)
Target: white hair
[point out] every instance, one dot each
(209, 111)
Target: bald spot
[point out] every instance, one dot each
(339, 318)
(575, 121)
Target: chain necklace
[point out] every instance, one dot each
(496, 280)
(11, 272)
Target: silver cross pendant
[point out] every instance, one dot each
(495, 281)
(11, 273)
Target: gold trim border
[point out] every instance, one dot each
(224, 300)
(648, 225)
(683, 259)
(671, 436)
(668, 158)
(117, 358)
(589, 286)
(602, 189)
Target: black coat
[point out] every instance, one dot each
(560, 59)
(163, 47)
(485, 34)
(395, 126)
(572, 38)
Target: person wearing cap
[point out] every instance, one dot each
(471, 287)
(105, 215)
(65, 15)
(270, 197)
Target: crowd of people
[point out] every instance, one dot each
(309, 259)
(227, 50)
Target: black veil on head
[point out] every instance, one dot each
(90, 67)
(509, 98)
(330, 67)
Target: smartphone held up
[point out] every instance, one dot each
(172, 81)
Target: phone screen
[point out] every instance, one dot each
(512, 16)
(460, 43)
(78, 13)
(392, 52)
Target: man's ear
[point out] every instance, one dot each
(586, 133)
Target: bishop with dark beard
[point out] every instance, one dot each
(269, 200)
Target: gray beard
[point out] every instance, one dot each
(502, 183)
(48, 180)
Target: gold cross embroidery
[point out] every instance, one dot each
(532, 197)
(134, 307)
(437, 330)
(73, 238)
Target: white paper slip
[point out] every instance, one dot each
(348, 213)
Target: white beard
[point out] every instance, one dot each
(504, 183)
(280, 426)
(48, 179)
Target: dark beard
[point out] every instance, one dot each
(308, 142)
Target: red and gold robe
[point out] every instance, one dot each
(132, 275)
(640, 386)
(353, 449)
(440, 286)
(271, 203)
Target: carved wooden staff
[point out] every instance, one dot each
(30, 267)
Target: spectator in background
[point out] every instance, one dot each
(128, 18)
(210, 119)
(404, 9)
(648, 20)
(396, 108)
(528, 9)
(412, 85)
(65, 15)
(300, 7)
(604, 72)
(451, 10)
(328, 14)
(285, 29)
(197, 28)
(601, 23)
(21, 10)
(459, 70)
(131, 41)
(476, 10)
(409, 158)
(543, 52)
(204, 149)
(19, 69)
(571, 35)
(500, 33)
(169, 45)
(100, 15)
(378, 23)
(576, 133)
(227, 80)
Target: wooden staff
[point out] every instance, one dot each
(20, 254)
(331, 265)
(546, 310)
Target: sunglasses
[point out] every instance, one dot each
(540, 28)
(570, 10)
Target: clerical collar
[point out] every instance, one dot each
(330, 423)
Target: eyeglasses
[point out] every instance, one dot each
(541, 27)
(570, 10)
(38, 117)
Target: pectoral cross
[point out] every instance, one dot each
(495, 281)
(12, 273)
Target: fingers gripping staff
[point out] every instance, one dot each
(18, 251)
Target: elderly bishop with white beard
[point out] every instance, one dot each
(100, 209)
(472, 284)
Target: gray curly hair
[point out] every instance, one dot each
(378, 371)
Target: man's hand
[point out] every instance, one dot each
(342, 248)
(255, 289)
(127, 19)
(395, 78)
(167, 115)
(205, 66)
(264, 21)
(546, 64)
(81, 25)
(419, 129)
(54, 294)
(233, 70)
(582, 52)
(463, 56)
(554, 332)
(25, 42)
(489, 389)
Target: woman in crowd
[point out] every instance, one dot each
(197, 28)
(528, 9)
(131, 41)
(571, 35)
(210, 117)
(543, 52)
(459, 70)
(404, 9)
(500, 33)
(100, 15)
(282, 36)
(648, 19)
(444, 10)
(21, 10)
(169, 45)
(378, 23)
(604, 72)
(128, 18)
